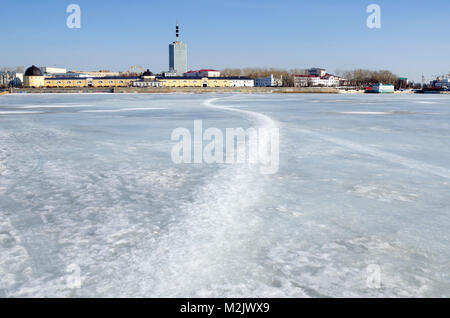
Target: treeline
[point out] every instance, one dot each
(18, 69)
(361, 77)
(358, 77)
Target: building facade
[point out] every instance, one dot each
(203, 73)
(206, 82)
(442, 83)
(318, 77)
(52, 70)
(146, 84)
(178, 58)
(269, 81)
(69, 82)
(33, 77)
(241, 82)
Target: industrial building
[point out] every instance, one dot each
(441, 82)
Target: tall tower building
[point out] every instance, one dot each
(178, 55)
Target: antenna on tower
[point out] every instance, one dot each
(178, 31)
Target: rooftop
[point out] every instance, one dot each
(33, 71)
(93, 78)
(201, 71)
(199, 78)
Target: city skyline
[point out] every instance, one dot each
(232, 34)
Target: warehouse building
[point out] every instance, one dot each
(67, 82)
(241, 82)
(35, 78)
(206, 82)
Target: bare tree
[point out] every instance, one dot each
(361, 77)
(254, 73)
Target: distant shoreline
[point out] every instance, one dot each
(196, 90)
(165, 90)
(191, 90)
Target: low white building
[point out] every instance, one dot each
(241, 82)
(328, 80)
(269, 81)
(306, 80)
(203, 73)
(52, 70)
(318, 77)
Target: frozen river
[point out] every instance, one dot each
(91, 204)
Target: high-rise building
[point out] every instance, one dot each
(178, 55)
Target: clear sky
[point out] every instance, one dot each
(116, 34)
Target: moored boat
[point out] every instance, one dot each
(380, 89)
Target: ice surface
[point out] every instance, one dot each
(87, 180)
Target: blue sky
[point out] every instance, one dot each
(233, 33)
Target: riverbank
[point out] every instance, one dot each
(181, 90)
(190, 90)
